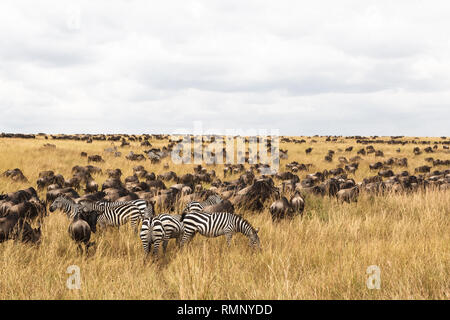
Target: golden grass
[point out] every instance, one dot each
(324, 255)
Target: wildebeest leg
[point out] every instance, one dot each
(88, 245)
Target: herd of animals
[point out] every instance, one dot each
(167, 206)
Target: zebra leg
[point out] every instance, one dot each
(165, 243)
(134, 225)
(228, 236)
(156, 248)
(146, 245)
(187, 237)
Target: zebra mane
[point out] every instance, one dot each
(212, 200)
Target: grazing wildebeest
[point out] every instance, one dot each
(95, 158)
(348, 195)
(422, 169)
(20, 196)
(281, 209)
(15, 175)
(223, 206)
(14, 227)
(386, 173)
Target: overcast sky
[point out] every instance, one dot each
(303, 67)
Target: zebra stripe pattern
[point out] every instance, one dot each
(68, 206)
(152, 232)
(144, 206)
(115, 215)
(173, 228)
(195, 206)
(217, 224)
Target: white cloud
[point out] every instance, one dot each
(327, 67)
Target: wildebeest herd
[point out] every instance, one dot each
(163, 206)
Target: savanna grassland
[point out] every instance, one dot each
(322, 255)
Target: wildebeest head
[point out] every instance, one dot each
(25, 233)
(90, 217)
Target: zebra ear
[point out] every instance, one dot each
(256, 230)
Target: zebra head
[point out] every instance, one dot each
(254, 239)
(59, 203)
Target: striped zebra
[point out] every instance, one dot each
(152, 232)
(195, 206)
(67, 205)
(144, 206)
(217, 224)
(172, 226)
(115, 215)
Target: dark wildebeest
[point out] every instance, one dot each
(281, 209)
(80, 228)
(386, 173)
(223, 206)
(298, 203)
(348, 195)
(14, 227)
(422, 169)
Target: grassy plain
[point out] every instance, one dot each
(323, 255)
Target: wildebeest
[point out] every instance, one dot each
(16, 228)
(348, 195)
(80, 228)
(283, 208)
(223, 206)
(422, 169)
(95, 158)
(386, 173)
(15, 175)
(298, 203)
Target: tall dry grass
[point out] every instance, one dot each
(323, 255)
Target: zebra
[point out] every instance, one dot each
(144, 206)
(195, 206)
(173, 228)
(115, 215)
(152, 232)
(217, 224)
(67, 205)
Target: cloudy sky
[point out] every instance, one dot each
(303, 67)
